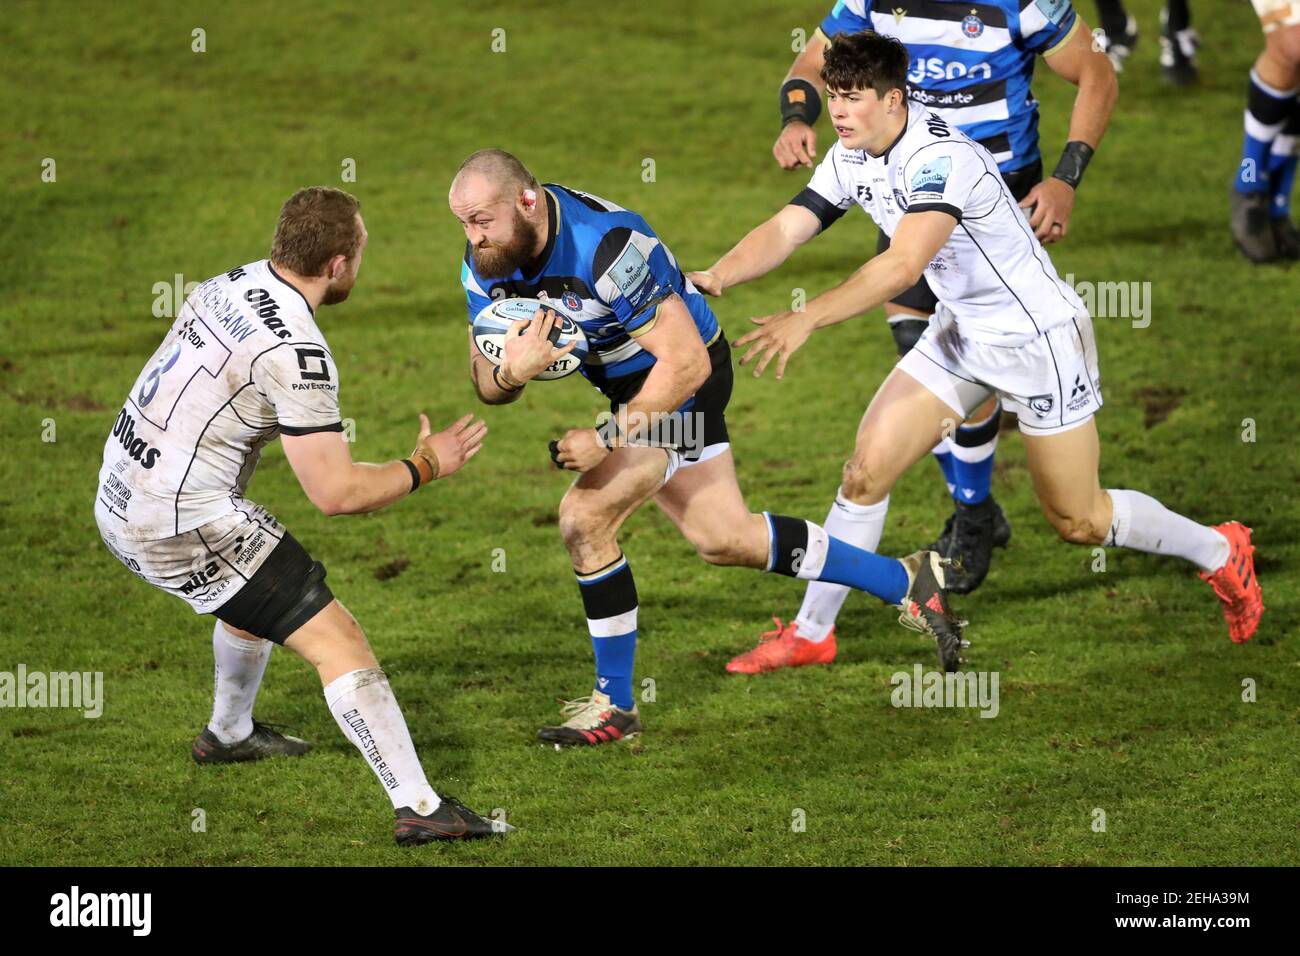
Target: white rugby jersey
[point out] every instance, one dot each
(242, 363)
(992, 274)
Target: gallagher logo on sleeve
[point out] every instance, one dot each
(631, 274)
(1054, 10)
(929, 181)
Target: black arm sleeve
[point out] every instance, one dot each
(826, 213)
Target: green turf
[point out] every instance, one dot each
(1120, 690)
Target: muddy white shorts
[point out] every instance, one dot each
(205, 567)
(1051, 382)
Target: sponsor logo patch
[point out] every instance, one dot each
(136, 447)
(1078, 395)
(248, 548)
(937, 68)
(311, 365)
(929, 181)
(1042, 404)
(631, 275)
(1054, 10)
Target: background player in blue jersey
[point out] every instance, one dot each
(972, 64)
(657, 353)
(1261, 190)
(1117, 35)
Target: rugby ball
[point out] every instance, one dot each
(492, 325)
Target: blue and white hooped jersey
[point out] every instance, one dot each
(972, 63)
(607, 269)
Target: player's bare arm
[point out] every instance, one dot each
(800, 103)
(681, 367)
(1091, 71)
(765, 248)
(916, 241)
(338, 485)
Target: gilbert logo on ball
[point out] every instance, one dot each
(492, 325)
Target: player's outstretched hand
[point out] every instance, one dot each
(796, 146)
(529, 351)
(454, 445)
(579, 450)
(706, 282)
(1052, 201)
(777, 337)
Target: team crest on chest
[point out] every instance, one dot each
(571, 301)
(972, 26)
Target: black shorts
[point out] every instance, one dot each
(704, 422)
(286, 592)
(919, 297)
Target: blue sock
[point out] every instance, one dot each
(1282, 180)
(1281, 174)
(973, 458)
(943, 455)
(1267, 110)
(801, 549)
(609, 598)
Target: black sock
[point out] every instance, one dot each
(1113, 17)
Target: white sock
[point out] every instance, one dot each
(238, 666)
(858, 525)
(366, 711)
(1140, 522)
(943, 448)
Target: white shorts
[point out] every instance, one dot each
(1277, 13)
(205, 567)
(1051, 382)
(676, 461)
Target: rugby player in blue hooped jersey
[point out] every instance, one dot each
(971, 64)
(657, 354)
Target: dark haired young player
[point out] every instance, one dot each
(243, 362)
(657, 354)
(972, 65)
(1006, 325)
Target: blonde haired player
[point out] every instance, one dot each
(243, 363)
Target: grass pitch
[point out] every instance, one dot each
(1119, 689)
